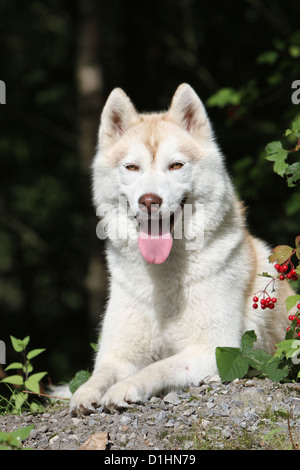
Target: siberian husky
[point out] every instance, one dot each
(181, 281)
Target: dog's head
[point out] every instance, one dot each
(157, 162)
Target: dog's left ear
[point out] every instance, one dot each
(188, 112)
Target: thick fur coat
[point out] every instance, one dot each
(172, 300)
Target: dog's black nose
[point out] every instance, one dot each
(150, 203)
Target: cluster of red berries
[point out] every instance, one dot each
(265, 302)
(282, 270)
(285, 272)
(297, 317)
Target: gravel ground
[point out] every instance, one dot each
(241, 415)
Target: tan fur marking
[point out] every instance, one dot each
(249, 241)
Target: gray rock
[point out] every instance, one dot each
(172, 398)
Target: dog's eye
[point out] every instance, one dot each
(131, 167)
(176, 166)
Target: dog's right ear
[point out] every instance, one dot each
(117, 117)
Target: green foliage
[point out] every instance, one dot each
(277, 154)
(285, 363)
(13, 440)
(234, 363)
(25, 380)
(225, 97)
(80, 378)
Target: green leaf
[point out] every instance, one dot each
(13, 379)
(287, 347)
(265, 275)
(296, 125)
(35, 407)
(281, 253)
(274, 372)
(258, 359)
(19, 399)
(80, 378)
(248, 339)
(224, 97)
(273, 147)
(12, 440)
(279, 158)
(231, 364)
(294, 171)
(22, 434)
(33, 382)
(291, 301)
(14, 365)
(17, 344)
(268, 57)
(34, 353)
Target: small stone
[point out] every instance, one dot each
(170, 423)
(172, 398)
(76, 421)
(210, 405)
(53, 440)
(160, 416)
(125, 420)
(43, 429)
(205, 423)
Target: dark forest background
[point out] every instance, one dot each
(59, 60)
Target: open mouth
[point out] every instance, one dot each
(155, 240)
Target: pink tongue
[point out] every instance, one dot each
(155, 249)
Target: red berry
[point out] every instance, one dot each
(271, 306)
(284, 268)
(298, 306)
(263, 301)
(291, 317)
(298, 334)
(288, 328)
(255, 299)
(282, 277)
(274, 300)
(255, 305)
(293, 271)
(263, 306)
(277, 266)
(294, 277)
(289, 275)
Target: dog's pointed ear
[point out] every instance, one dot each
(117, 117)
(188, 112)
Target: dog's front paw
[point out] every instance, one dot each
(86, 398)
(121, 396)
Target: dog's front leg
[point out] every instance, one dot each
(89, 395)
(188, 367)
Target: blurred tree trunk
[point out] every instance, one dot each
(90, 103)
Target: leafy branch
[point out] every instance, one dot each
(278, 154)
(234, 363)
(24, 380)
